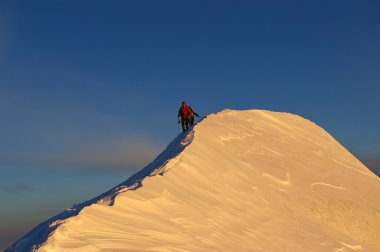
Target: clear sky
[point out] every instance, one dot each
(89, 90)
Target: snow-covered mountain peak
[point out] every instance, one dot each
(238, 181)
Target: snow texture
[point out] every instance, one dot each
(238, 181)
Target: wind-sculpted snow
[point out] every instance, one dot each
(239, 181)
(33, 240)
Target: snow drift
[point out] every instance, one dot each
(238, 181)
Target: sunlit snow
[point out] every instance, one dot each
(238, 181)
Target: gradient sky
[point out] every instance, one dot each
(89, 90)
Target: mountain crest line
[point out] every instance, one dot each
(250, 180)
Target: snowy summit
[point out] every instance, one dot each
(237, 181)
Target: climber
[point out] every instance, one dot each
(193, 113)
(186, 116)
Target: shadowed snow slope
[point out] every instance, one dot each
(239, 181)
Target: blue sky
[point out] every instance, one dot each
(89, 90)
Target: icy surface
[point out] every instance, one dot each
(239, 181)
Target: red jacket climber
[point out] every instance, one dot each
(187, 116)
(184, 111)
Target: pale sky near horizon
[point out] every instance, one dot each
(89, 90)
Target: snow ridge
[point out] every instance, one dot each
(250, 180)
(33, 240)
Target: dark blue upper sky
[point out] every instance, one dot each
(82, 83)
